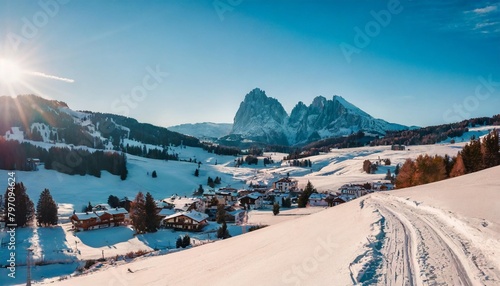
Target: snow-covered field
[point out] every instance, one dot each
(329, 172)
(442, 233)
(296, 250)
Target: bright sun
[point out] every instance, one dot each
(10, 71)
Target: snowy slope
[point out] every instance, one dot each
(174, 177)
(476, 132)
(329, 171)
(432, 234)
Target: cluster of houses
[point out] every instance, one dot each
(194, 213)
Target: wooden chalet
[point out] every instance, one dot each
(84, 221)
(98, 219)
(254, 200)
(191, 220)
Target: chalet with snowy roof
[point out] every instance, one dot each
(191, 221)
(32, 164)
(276, 196)
(232, 216)
(184, 204)
(101, 207)
(352, 190)
(163, 213)
(259, 188)
(253, 200)
(223, 197)
(337, 201)
(285, 184)
(382, 186)
(84, 221)
(318, 200)
(118, 215)
(98, 219)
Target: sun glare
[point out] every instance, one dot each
(10, 71)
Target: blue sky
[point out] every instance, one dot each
(426, 63)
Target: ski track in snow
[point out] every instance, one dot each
(423, 247)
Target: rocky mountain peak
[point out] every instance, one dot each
(263, 119)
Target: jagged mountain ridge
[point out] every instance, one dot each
(263, 119)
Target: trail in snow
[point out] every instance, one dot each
(422, 248)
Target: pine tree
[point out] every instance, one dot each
(490, 150)
(24, 208)
(406, 175)
(152, 221)
(210, 182)
(123, 168)
(113, 201)
(222, 231)
(178, 242)
(429, 169)
(458, 168)
(304, 197)
(472, 156)
(196, 172)
(46, 209)
(138, 213)
(276, 208)
(186, 241)
(221, 214)
(154, 175)
(388, 175)
(89, 207)
(448, 163)
(200, 191)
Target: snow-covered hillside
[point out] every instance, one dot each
(442, 233)
(329, 171)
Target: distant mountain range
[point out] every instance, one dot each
(205, 130)
(262, 119)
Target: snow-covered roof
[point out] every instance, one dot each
(85, 216)
(102, 206)
(315, 196)
(116, 211)
(254, 195)
(166, 212)
(194, 215)
(286, 180)
(177, 201)
(235, 212)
